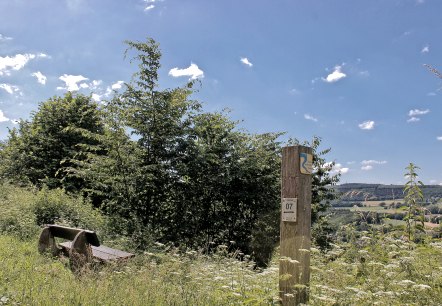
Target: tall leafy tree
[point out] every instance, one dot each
(43, 149)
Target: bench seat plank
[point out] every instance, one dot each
(102, 252)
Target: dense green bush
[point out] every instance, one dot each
(55, 206)
(16, 217)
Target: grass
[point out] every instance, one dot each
(363, 268)
(366, 270)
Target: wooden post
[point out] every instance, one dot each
(296, 194)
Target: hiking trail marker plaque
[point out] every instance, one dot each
(289, 209)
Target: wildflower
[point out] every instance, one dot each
(406, 282)
(421, 287)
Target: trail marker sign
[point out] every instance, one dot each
(306, 163)
(289, 209)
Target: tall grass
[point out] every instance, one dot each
(363, 268)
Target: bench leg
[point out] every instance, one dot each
(80, 253)
(47, 241)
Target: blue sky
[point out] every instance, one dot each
(349, 71)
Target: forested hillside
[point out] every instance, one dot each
(380, 192)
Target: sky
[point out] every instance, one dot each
(351, 72)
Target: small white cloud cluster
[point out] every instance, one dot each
(425, 49)
(3, 118)
(309, 117)
(338, 168)
(71, 82)
(41, 78)
(246, 61)
(414, 113)
(17, 62)
(10, 89)
(335, 76)
(193, 71)
(4, 38)
(367, 125)
(150, 4)
(368, 164)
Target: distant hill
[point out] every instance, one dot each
(379, 192)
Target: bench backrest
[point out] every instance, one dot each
(69, 233)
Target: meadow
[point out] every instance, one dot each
(362, 268)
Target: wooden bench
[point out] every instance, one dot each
(82, 249)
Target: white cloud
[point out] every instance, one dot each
(367, 125)
(439, 138)
(3, 118)
(4, 38)
(367, 167)
(246, 61)
(95, 83)
(418, 112)
(117, 85)
(150, 4)
(339, 168)
(294, 91)
(10, 89)
(17, 62)
(425, 49)
(414, 119)
(335, 76)
(192, 71)
(309, 117)
(373, 162)
(96, 97)
(431, 94)
(71, 82)
(40, 77)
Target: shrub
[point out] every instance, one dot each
(55, 206)
(16, 217)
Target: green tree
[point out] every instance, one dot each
(44, 149)
(415, 216)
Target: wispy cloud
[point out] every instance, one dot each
(294, 91)
(71, 82)
(425, 49)
(414, 113)
(4, 38)
(335, 76)
(3, 118)
(373, 162)
(439, 138)
(41, 78)
(17, 62)
(10, 89)
(150, 4)
(414, 119)
(418, 112)
(367, 125)
(310, 117)
(246, 61)
(192, 71)
(368, 164)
